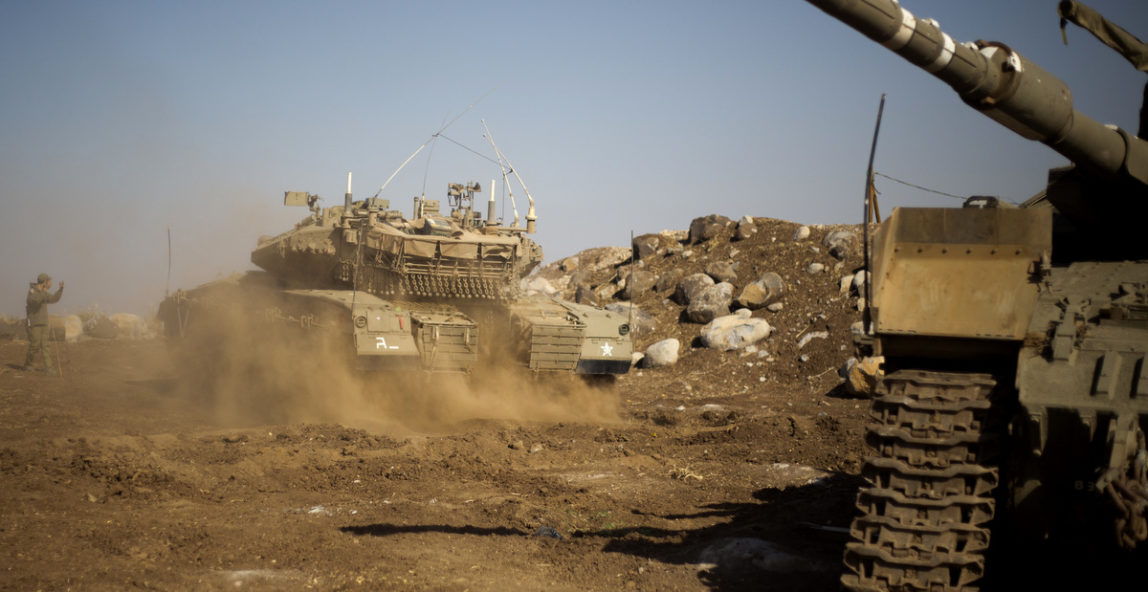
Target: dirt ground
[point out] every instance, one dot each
(116, 478)
(726, 471)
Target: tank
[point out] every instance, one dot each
(363, 285)
(1008, 431)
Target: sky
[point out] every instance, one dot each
(122, 123)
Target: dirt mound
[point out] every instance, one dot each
(812, 303)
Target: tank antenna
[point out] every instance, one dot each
(167, 287)
(490, 205)
(505, 180)
(431, 139)
(530, 216)
(347, 196)
(866, 316)
(633, 253)
(358, 248)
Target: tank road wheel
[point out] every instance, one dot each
(924, 514)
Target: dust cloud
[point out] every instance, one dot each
(245, 355)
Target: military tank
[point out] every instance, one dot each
(436, 292)
(1008, 431)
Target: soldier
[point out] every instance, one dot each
(39, 297)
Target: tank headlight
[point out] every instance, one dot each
(360, 321)
(623, 329)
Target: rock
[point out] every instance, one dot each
(641, 322)
(537, 285)
(801, 233)
(585, 295)
(842, 238)
(600, 258)
(712, 302)
(839, 251)
(810, 336)
(734, 331)
(859, 281)
(721, 271)
(636, 358)
(569, 264)
(814, 268)
(662, 353)
(548, 532)
(668, 281)
(621, 275)
(762, 291)
(581, 277)
(753, 296)
(691, 286)
(606, 291)
(861, 377)
(745, 228)
(639, 282)
(645, 246)
(708, 227)
(774, 307)
(846, 284)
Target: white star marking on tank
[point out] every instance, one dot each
(607, 350)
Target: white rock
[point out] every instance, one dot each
(733, 332)
(801, 233)
(662, 353)
(838, 238)
(805, 339)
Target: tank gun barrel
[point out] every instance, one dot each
(1002, 84)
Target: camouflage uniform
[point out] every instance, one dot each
(38, 328)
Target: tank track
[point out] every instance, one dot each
(930, 495)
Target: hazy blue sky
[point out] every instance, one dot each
(119, 120)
